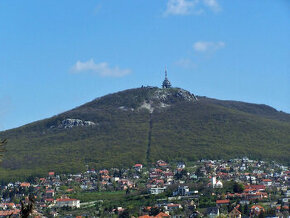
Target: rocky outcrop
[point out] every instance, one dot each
(163, 98)
(164, 95)
(71, 123)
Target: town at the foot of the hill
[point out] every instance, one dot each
(205, 188)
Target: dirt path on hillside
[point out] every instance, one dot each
(149, 140)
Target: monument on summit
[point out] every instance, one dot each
(166, 84)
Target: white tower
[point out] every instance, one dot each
(213, 181)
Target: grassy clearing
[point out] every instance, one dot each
(94, 196)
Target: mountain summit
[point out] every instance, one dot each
(143, 125)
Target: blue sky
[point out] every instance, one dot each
(56, 55)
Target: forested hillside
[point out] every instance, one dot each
(143, 125)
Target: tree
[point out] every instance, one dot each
(2, 143)
(238, 188)
(262, 215)
(246, 210)
(124, 214)
(128, 191)
(154, 211)
(198, 172)
(27, 208)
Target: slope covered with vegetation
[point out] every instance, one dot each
(143, 125)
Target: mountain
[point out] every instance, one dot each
(143, 125)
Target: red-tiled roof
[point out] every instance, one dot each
(66, 199)
(257, 206)
(236, 210)
(9, 212)
(173, 205)
(25, 184)
(222, 201)
(161, 215)
(104, 172)
(255, 187)
(49, 199)
(9, 204)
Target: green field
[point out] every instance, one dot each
(95, 196)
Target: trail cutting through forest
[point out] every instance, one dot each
(149, 140)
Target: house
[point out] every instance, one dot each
(254, 192)
(171, 207)
(222, 202)
(287, 193)
(25, 184)
(182, 191)
(67, 202)
(160, 215)
(118, 210)
(104, 172)
(42, 180)
(256, 210)
(235, 213)
(51, 174)
(49, 193)
(6, 206)
(267, 182)
(257, 188)
(49, 200)
(244, 202)
(180, 165)
(193, 176)
(156, 190)
(212, 212)
(162, 163)
(115, 179)
(216, 183)
(8, 213)
(138, 167)
(125, 183)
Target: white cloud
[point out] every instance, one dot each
(186, 7)
(213, 5)
(203, 46)
(102, 69)
(179, 7)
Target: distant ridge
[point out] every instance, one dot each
(143, 125)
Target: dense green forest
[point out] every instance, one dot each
(180, 127)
